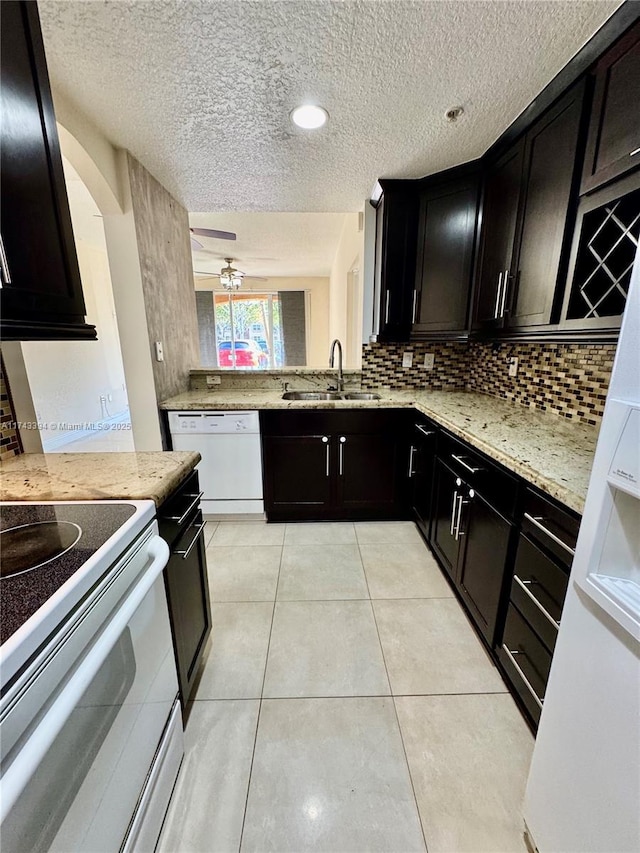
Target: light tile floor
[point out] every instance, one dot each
(345, 704)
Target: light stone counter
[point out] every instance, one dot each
(149, 475)
(554, 454)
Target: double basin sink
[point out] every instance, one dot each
(329, 395)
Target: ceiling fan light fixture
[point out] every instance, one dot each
(309, 116)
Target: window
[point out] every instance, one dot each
(251, 331)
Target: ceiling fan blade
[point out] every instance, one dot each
(195, 245)
(203, 272)
(212, 232)
(255, 278)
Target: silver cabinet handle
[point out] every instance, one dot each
(415, 306)
(412, 451)
(341, 453)
(185, 554)
(524, 678)
(325, 440)
(4, 265)
(424, 430)
(524, 586)
(496, 310)
(461, 502)
(470, 468)
(386, 304)
(454, 506)
(505, 284)
(634, 152)
(185, 514)
(552, 536)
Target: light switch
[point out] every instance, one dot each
(159, 351)
(407, 359)
(513, 366)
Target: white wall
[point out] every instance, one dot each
(67, 378)
(317, 308)
(342, 322)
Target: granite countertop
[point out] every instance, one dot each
(548, 451)
(145, 475)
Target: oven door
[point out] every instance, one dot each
(73, 777)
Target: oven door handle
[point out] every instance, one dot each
(15, 778)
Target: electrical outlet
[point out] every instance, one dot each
(513, 366)
(407, 359)
(213, 380)
(159, 351)
(110, 398)
(429, 359)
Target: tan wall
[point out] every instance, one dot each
(162, 231)
(317, 308)
(345, 320)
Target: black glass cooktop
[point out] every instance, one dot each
(42, 545)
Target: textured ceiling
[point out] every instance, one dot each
(200, 91)
(270, 244)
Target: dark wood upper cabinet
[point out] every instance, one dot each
(503, 183)
(41, 294)
(446, 236)
(552, 158)
(395, 259)
(613, 146)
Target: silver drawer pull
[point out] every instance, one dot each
(460, 459)
(424, 430)
(185, 554)
(634, 152)
(524, 586)
(185, 514)
(536, 523)
(4, 265)
(524, 678)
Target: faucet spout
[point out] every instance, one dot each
(336, 343)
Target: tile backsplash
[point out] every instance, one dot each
(568, 379)
(9, 438)
(382, 366)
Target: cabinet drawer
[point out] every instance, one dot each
(177, 509)
(525, 660)
(553, 529)
(496, 485)
(538, 590)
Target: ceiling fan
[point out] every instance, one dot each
(230, 277)
(209, 232)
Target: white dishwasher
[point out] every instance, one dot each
(231, 467)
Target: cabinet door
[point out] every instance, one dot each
(189, 608)
(420, 469)
(367, 475)
(485, 536)
(446, 234)
(499, 214)
(548, 210)
(447, 494)
(396, 231)
(297, 476)
(613, 146)
(41, 288)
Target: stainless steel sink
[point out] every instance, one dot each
(311, 395)
(360, 395)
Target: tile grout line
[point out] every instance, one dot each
(264, 675)
(395, 709)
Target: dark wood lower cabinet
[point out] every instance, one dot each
(471, 539)
(323, 465)
(420, 470)
(186, 582)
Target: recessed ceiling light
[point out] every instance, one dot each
(309, 116)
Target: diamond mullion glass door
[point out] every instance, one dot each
(605, 246)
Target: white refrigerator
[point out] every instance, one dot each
(583, 792)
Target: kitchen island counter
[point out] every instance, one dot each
(145, 475)
(552, 453)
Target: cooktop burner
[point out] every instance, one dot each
(43, 545)
(30, 546)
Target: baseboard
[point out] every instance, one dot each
(232, 508)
